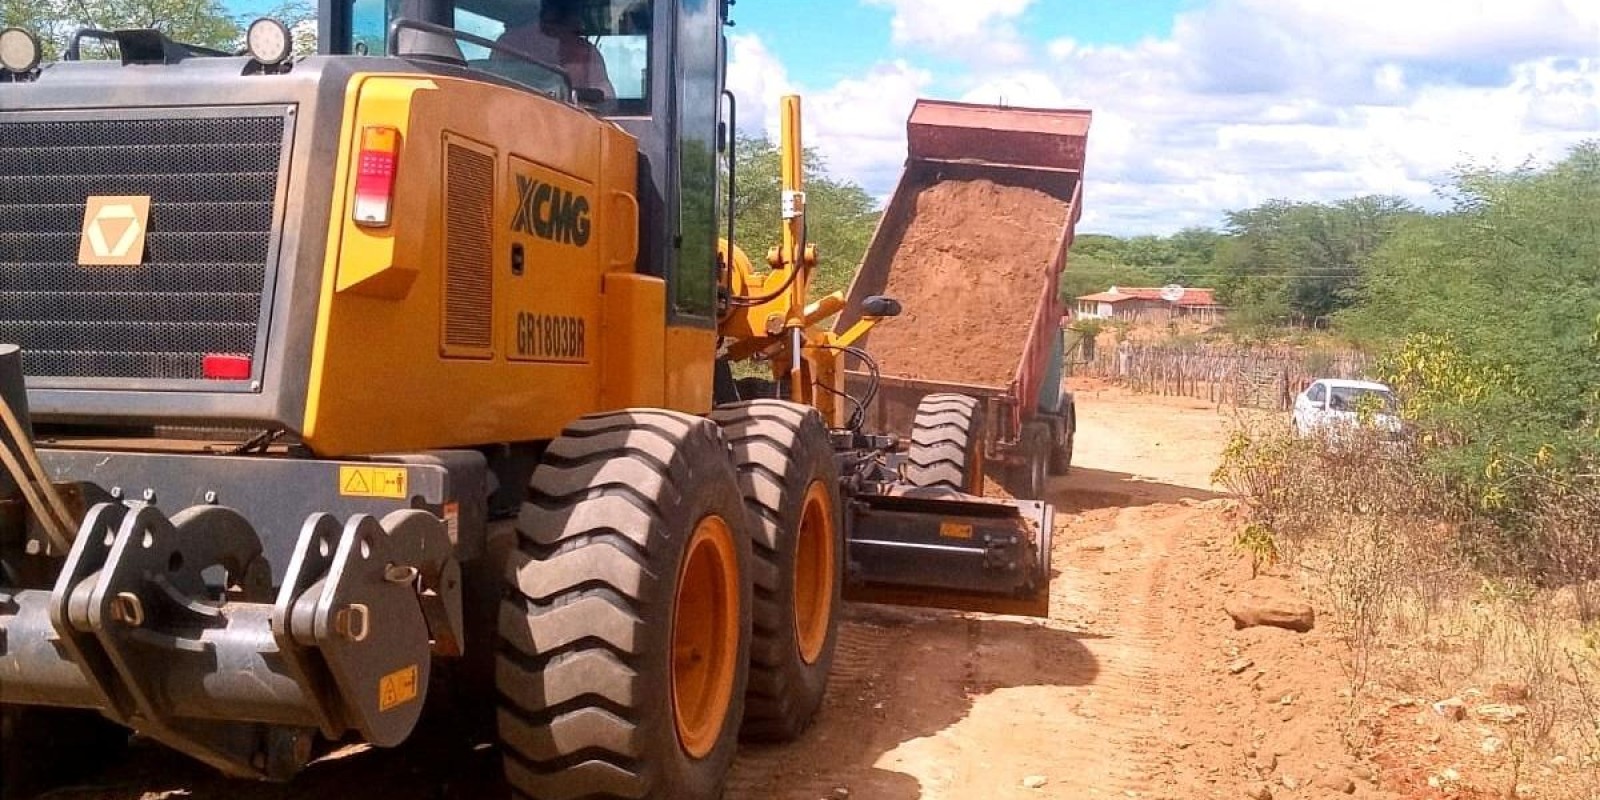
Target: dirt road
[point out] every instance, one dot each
(936, 705)
(1136, 686)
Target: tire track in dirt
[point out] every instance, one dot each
(1114, 730)
(852, 683)
(947, 706)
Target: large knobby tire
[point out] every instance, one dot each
(1065, 431)
(947, 439)
(1032, 475)
(790, 483)
(625, 628)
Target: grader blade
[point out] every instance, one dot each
(943, 549)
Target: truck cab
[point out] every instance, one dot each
(665, 61)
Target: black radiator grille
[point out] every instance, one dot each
(212, 183)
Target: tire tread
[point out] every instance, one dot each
(764, 435)
(942, 442)
(573, 629)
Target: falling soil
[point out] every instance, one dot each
(969, 269)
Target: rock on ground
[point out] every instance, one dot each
(1271, 604)
(1499, 712)
(1338, 782)
(1453, 709)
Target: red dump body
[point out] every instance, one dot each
(1035, 148)
(1024, 137)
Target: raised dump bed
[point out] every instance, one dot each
(972, 244)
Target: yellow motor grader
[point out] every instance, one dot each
(330, 379)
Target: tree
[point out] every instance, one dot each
(45, 18)
(199, 22)
(1195, 246)
(1106, 249)
(1306, 257)
(1147, 252)
(841, 216)
(300, 16)
(1098, 262)
(1094, 270)
(1490, 312)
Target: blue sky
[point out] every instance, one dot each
(1200, 106)
(823, 41)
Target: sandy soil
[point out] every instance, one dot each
(1125, 691)
(968, 268)
(1136, 686)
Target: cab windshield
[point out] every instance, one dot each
(1351, 398)
(602, 45)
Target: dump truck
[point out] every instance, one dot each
(970, 374)
(337, 387)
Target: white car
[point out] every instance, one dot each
(1330, 404)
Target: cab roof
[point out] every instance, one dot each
(1346, 383)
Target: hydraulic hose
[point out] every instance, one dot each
(52, 510)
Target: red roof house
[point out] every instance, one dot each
(1147, 303)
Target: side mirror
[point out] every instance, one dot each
(879, 306)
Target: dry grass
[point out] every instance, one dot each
(1385, 547)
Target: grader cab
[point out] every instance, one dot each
(331, 378)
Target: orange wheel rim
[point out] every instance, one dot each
(814, 573)
(705, 636)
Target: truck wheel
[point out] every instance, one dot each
(625, 627)
(790, 483)
(947, 439)
(1061, 449)
(1033, 475)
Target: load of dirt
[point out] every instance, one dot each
(968, 270)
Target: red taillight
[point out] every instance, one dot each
(380, 149)
(225, 367)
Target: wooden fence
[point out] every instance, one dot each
(1254, 377)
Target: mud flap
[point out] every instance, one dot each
(942, 549)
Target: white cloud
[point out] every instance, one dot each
(1062, 48)
(857, 124)
(975, 31)
(757, 78)
(1247, 100)
(1452, 29)
(943, 22)
(1563, 99)
(1240, 46)
(1389, 79)
(1024, 87)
